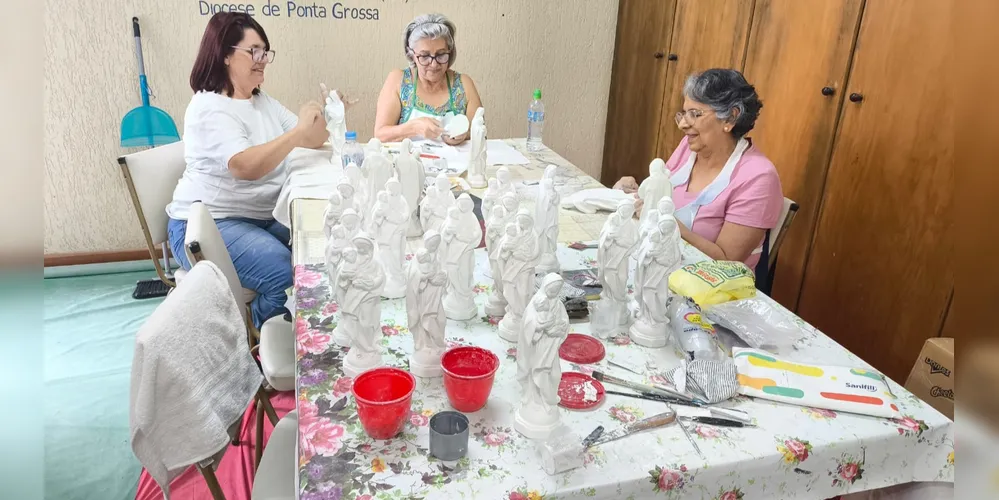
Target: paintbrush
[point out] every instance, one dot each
(603, 377)
(724, 413)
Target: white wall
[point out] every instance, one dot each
(508, 47)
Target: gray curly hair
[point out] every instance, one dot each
(726, 91)
(431, 26)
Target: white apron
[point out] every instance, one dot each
(688, 213)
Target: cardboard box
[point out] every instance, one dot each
(932, 377)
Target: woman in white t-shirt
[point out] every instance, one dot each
(236, 139)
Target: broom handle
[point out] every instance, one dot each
(143, 85)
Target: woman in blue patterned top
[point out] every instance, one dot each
(413, 100)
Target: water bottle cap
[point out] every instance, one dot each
(350, 135)
(537, 94)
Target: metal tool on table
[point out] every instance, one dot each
(690, 438)
(564, 450)
(635, 386)
(728, 414)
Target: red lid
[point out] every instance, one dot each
(572, 391)
(582, 349)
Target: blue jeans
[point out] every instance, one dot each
(261, 255)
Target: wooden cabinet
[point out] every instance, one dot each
(797, 58)
(638, 71)
(706, 34)
(879, 274)
(858, 122)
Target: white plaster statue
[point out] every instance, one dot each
(658, 257)
(373, 147)
(518, 256)
(378, 169)
(650, 224)
(461, 234)
(412, 176)
(655, 187)
(617, 242)
(335, 113)
(335, 245)
(504, 182)
(388, 226)
(436, 202)
(490, 196)
(546, 326)
(546, 221)
(477, 158)
(351, 221)
(348, 259)
(425, 288)
(356, 179)
(361, 310)
(331, 217)
(495, 228)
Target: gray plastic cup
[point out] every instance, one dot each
(448, 435)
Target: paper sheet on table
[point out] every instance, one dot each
(498, 152)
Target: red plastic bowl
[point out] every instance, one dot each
(468, 376)
(384, 396)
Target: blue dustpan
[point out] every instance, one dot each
(146, 125)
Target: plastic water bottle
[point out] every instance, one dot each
(352, 151)
(535, 122)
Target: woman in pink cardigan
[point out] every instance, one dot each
(726, 192)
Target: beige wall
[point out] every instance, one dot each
(509, 47)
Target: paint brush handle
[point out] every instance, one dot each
(653, 422)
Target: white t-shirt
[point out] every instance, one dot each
(216, 128)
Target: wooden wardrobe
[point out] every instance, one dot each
(856, 117)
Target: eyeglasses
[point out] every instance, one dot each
(690, 114)
(258, 54)
(425, 59)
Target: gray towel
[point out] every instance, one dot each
(192, 376)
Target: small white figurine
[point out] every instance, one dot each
(373, 147)
(425, 308)
(356, 179)
(658, 257)
(335, 113)
(490, 196)
(436, 202)
(539, 371)
(413, 177)
(388, 226)
(335, 245)
(351, 221)
(650, 224)
(361, 310)
(546, 220)
(655, 187)
(504, 182)
(495, 228)
(379, 169)
(348, 259)
(331, 217)
(519, 254)
(461, 235)
(617, 242)
(477, 158)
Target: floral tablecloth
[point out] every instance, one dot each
(793, 452)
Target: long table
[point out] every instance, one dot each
(792, 452)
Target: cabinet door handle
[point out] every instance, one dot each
(855, 97)
(671, 57)
(828, 91)
(658, 55)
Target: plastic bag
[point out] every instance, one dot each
(692, 334)
(757, 322)
(713, 282)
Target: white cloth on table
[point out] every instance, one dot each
(192, 376)
(311, 174)
(589, 201)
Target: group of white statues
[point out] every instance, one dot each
(365, 261)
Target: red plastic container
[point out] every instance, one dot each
(384, 397)
(468, 376)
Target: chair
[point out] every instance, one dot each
(151, 176)
(168, 434)
(765, 269)
(277, 337)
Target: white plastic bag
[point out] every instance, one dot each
(758, 323)
(694, 336)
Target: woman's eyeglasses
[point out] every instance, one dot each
(690, 114)
(425, 59)
(258, 54)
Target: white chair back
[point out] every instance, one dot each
(201, 228)
(151, 176)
